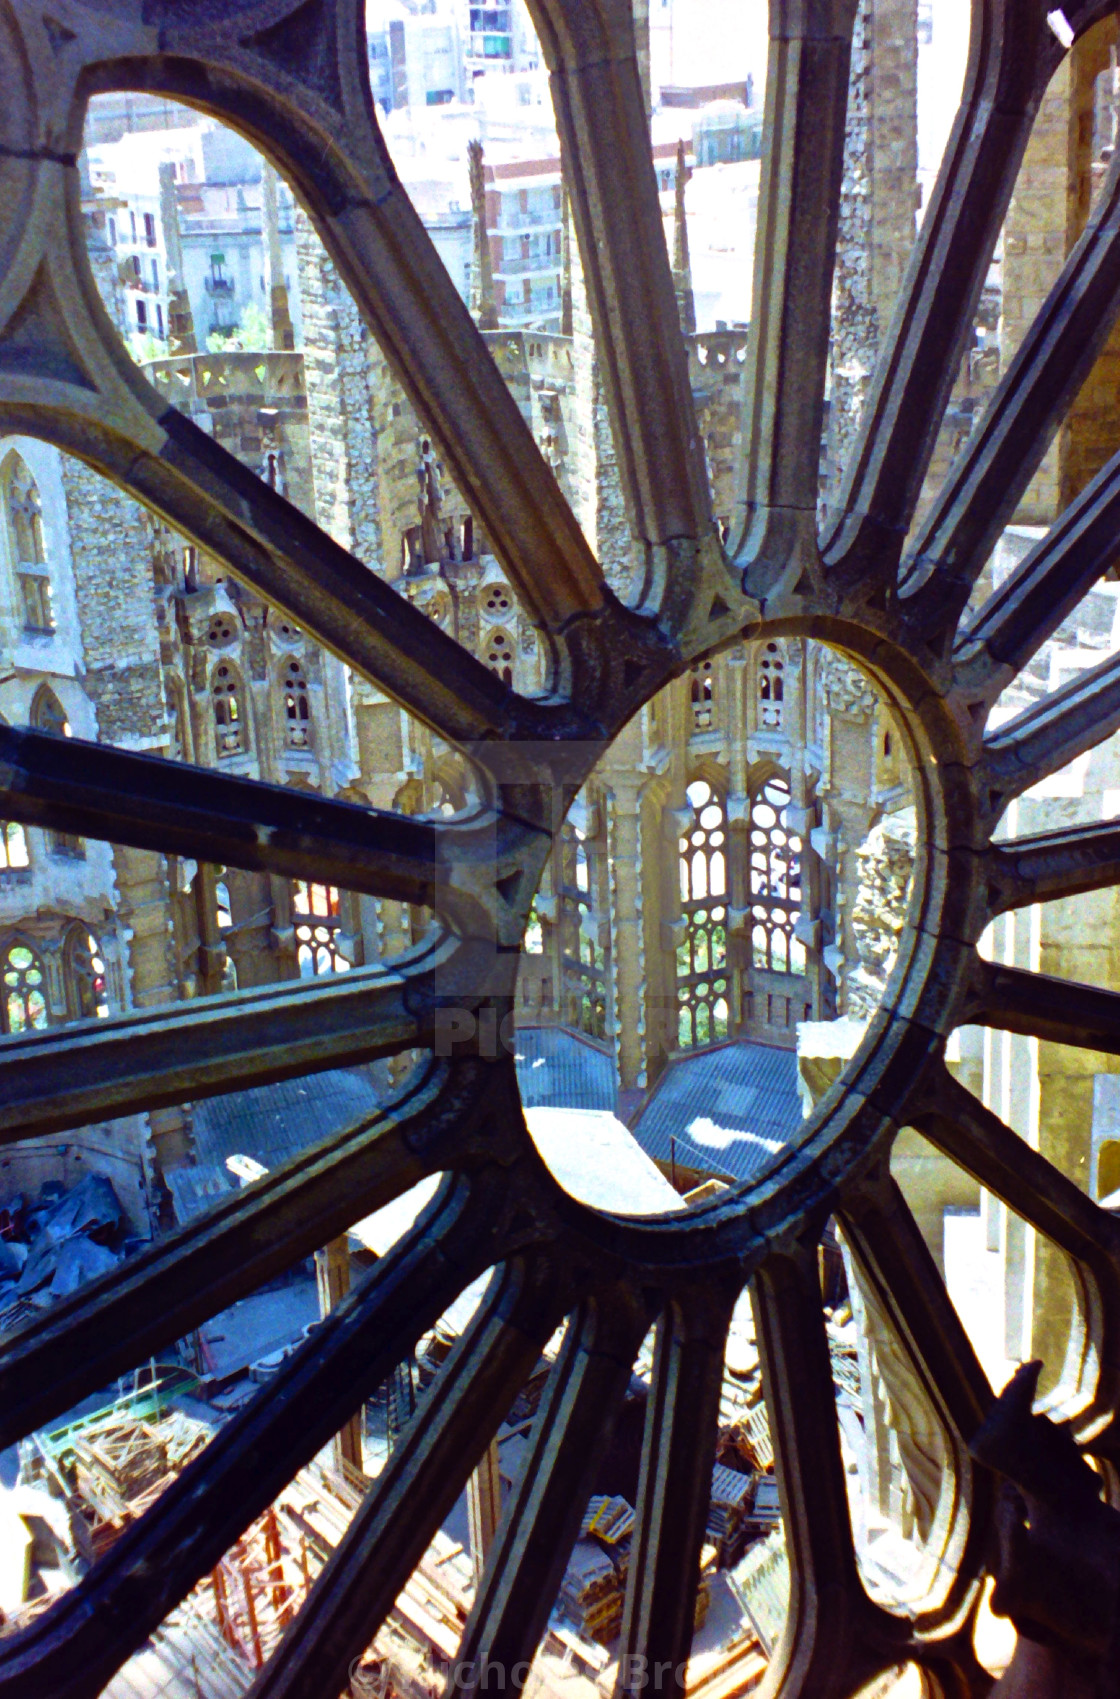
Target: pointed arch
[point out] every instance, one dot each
(84, 974)
(297, 705)
(49, 716)
(23, 988)
(703, 974)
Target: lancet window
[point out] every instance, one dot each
(582, 902)
(771, 687)
(25, 527)
(297, 707)
(702, 971)
(14, 855)
(701, 687)
(86, 977)
(229, 713)
(48, 715)
(774, 881)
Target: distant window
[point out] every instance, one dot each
(297, 707)
(316, 911)
(112, 232)
(84, 969)
(24, 512)
(229, 718)
(771, 687)
(702, 976)
(48, 715)
(159, 321)
(150, 229)
(775, 882)
(23, 990)
(141, 315)
(13, 847)
(700, 690)
(132, 224)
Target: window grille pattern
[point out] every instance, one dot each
(771, 687)
(229, 713)
(775, 882)
(702, 971)
(318, 921)
(25, 528)
(297, 707)
(24, 989)
(292, 73)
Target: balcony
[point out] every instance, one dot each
(218, 286)
(513, 220)
(531, 265)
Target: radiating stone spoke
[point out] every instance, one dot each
(68, 1077)
(1047, 585)
(418, 1486)
(72, 1649)
(985, 1147)
(1055, 730)
(604, 133)
(540, 1521)
(1054, 864)
(674, 1489)
(1012, 56)
(799, 197)
(823, 1649)
(174, 1285)
(983, 488)
(66, 785)
(1041, 1006)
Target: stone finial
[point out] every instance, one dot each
(682, 268)
(482, 270)
(276, 290)
(180, 320)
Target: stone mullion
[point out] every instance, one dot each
(627, 955)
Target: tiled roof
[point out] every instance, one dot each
(728, 1111)
(270, 1123)
(558, 1070)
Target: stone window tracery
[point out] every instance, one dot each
(584, 964)
(24, 1005)
(702, 972)
(701, 691)
(771, 687)
(297, 707)
(85, 973)
(318, 922)
(222, 631)
(497, 602)
(229, 716)
(774, 882)
(14, 855)
(25, 525)
(499, 656)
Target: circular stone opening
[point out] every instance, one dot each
(716, 925)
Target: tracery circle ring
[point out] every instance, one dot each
(896, 597)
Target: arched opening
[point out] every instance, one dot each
(774, 881)
(14, 855)
(771, 687)
(700, 689)
(229, 716)
(24, 511)
(85, 975)
(316, 911)
(49, 716)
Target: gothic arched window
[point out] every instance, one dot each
(771, 687)
(702, 976)
(86, 979)
(25, 528)
(229, 715)
(297, 706)
(499, 656)
(48, 715)
(701, 692)
(13, 847)
(774, 882)
(318, 921)
(23, 989)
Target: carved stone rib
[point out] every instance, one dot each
(418, 1486)
(1055, 730)
(985, 484)
(604, 135)
(73, 1648)
(1041, 1006)
(799, 199)
(1049, 583)
(1012, 57)
(674, 1488)
(1054, 864)
(254, 1234)
(71, 1076)
(541, 1520)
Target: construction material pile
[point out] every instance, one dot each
(594, 1584)
(51, 1244)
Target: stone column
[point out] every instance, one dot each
(275, 288)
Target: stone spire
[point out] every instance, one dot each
(682, 269)
(276, 290)
(482, 271)
(180, 321)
